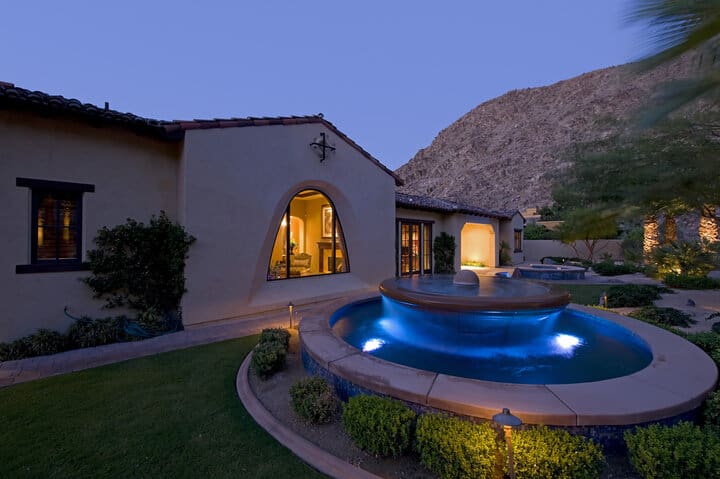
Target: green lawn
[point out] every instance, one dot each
(172, 415)
(584, 293)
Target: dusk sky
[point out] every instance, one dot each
(390, 74)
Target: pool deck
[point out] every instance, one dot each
(676, 381)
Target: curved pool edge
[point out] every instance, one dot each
(674, 384)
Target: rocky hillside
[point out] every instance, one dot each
(495, 156)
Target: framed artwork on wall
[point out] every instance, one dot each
(326, 217)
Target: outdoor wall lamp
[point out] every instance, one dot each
(508, 421)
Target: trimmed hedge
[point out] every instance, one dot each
(609, 268)
(664, 316)
(268, 358)
(633, 295)
(542, 453)
(453, 448)
(379, 426)
(280, 335)
(314, 400)
(683, 450)
(706, 341)
(711, 409)
(682, 281)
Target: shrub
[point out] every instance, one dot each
(681, 281)
(683, 450)
(87, 333)
(534, 231)
(279, 335)
(609, 268)
(452, 448)
(632, 245)
(444, 253)
(543, 453)
(18, 349)
(666, 316)
(314, 400)
(716, 327)
(45, 342)
(505, 257)
(268, 358)
(711, 409)
(140, 266)
(690, 258)
(707, 341)
(380, 426)
(633, 295)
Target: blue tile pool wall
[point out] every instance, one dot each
(610, 437)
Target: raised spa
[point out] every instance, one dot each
(552, 272)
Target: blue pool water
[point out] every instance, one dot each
(526, 347)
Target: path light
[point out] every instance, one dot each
(291, 306)
(508, 421)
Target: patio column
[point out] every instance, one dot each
(708, 228)
(651, 230)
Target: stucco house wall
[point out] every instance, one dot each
(453, 224)
(507, 234)
(134, 176)
(236, 184)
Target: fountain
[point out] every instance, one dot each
(444, 343)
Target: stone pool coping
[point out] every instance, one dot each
(676, 381)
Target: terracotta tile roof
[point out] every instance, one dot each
(36, 101)
(426, 203)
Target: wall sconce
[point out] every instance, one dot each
(508, 421)
(322, 147)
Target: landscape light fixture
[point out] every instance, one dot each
(322, 147)
(508, 421)
(291, 306)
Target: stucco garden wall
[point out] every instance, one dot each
(235, 185)
(536, 249)
(134, 177)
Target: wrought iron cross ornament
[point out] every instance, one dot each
(321, 145)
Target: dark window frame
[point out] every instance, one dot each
(421, 250)
(518, 240)
(63, 189)
(342, 244)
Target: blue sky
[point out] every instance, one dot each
(390, 74)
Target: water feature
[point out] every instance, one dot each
(502, 330)
(507, 343)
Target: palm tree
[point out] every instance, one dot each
(676, 27)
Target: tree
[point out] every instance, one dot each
(669, 169)
(590, 227)
(677, 27)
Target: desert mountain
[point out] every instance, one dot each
(496, 155)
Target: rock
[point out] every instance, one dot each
(498, 155)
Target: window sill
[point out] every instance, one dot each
(51, 268)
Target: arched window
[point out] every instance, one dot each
(309, 240)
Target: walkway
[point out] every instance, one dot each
(14, 372)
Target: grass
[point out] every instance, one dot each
(172, 415)
(585, 293)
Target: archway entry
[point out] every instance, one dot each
(477, 245)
